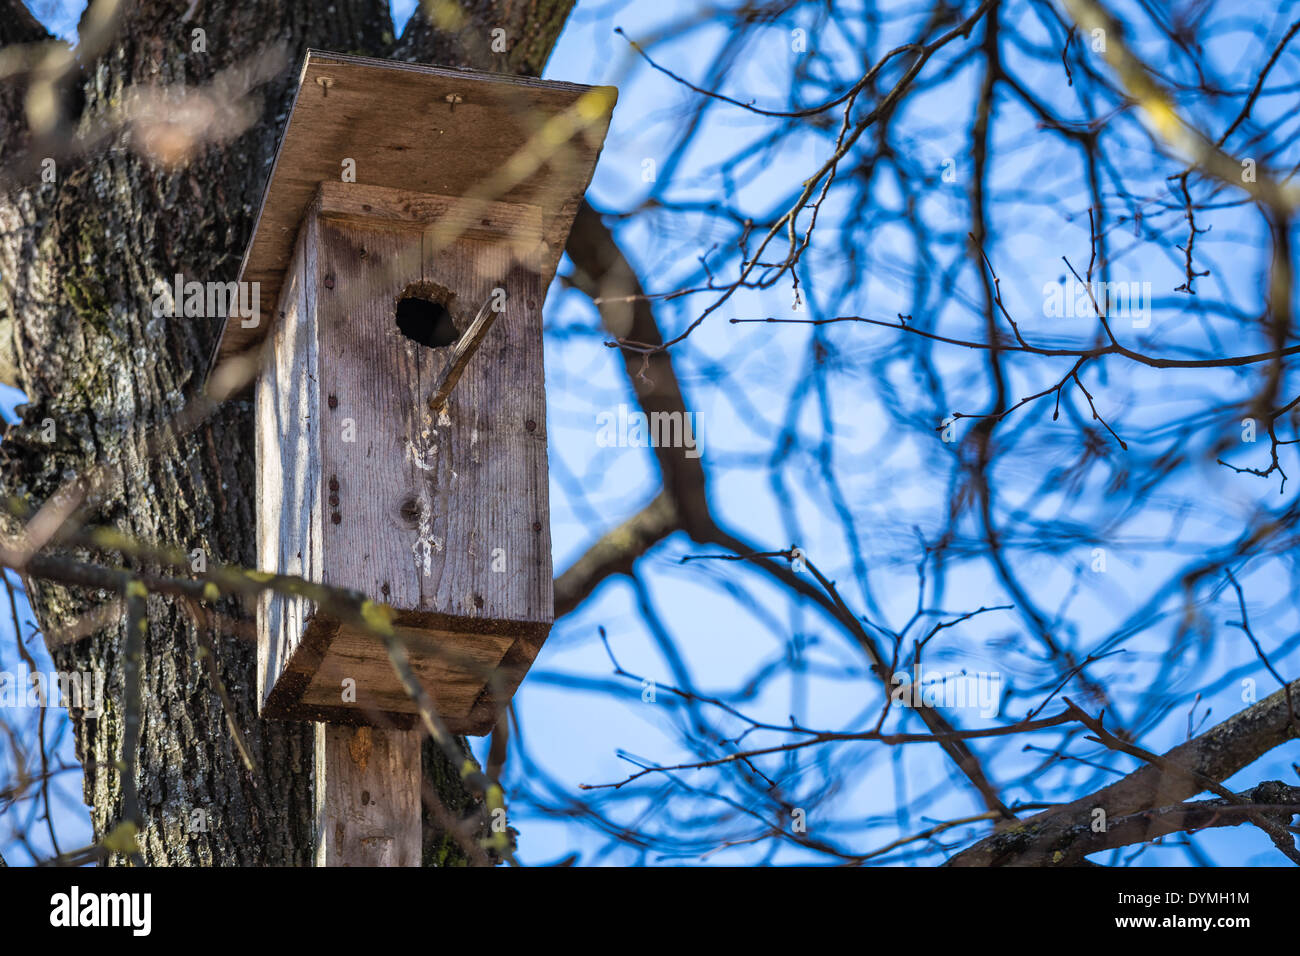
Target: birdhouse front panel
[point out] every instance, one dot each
(413, 219)
(441, 514)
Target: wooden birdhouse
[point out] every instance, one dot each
(413, 220)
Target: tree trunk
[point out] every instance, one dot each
(79, 257)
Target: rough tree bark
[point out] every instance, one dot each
(78, 258)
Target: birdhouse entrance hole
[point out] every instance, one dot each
(424, 316)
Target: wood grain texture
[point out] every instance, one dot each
(367, 796)
(425, 500)
(443, 218)
(394, 120)
(289, 505)
(444, 517)
(451, 663)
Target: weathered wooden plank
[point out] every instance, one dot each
(367, 796)
(445, 218)
(429, 505)
(395, 121)
(451, 664)
(442, 516)
(289, 513)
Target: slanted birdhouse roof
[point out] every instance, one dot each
(423, 129)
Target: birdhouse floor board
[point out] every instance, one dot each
(454, 666)
(461, 670)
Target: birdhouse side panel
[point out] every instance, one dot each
(289, 516)
(444, 513)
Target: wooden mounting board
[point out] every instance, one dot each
(394, 120)
(367, 796)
